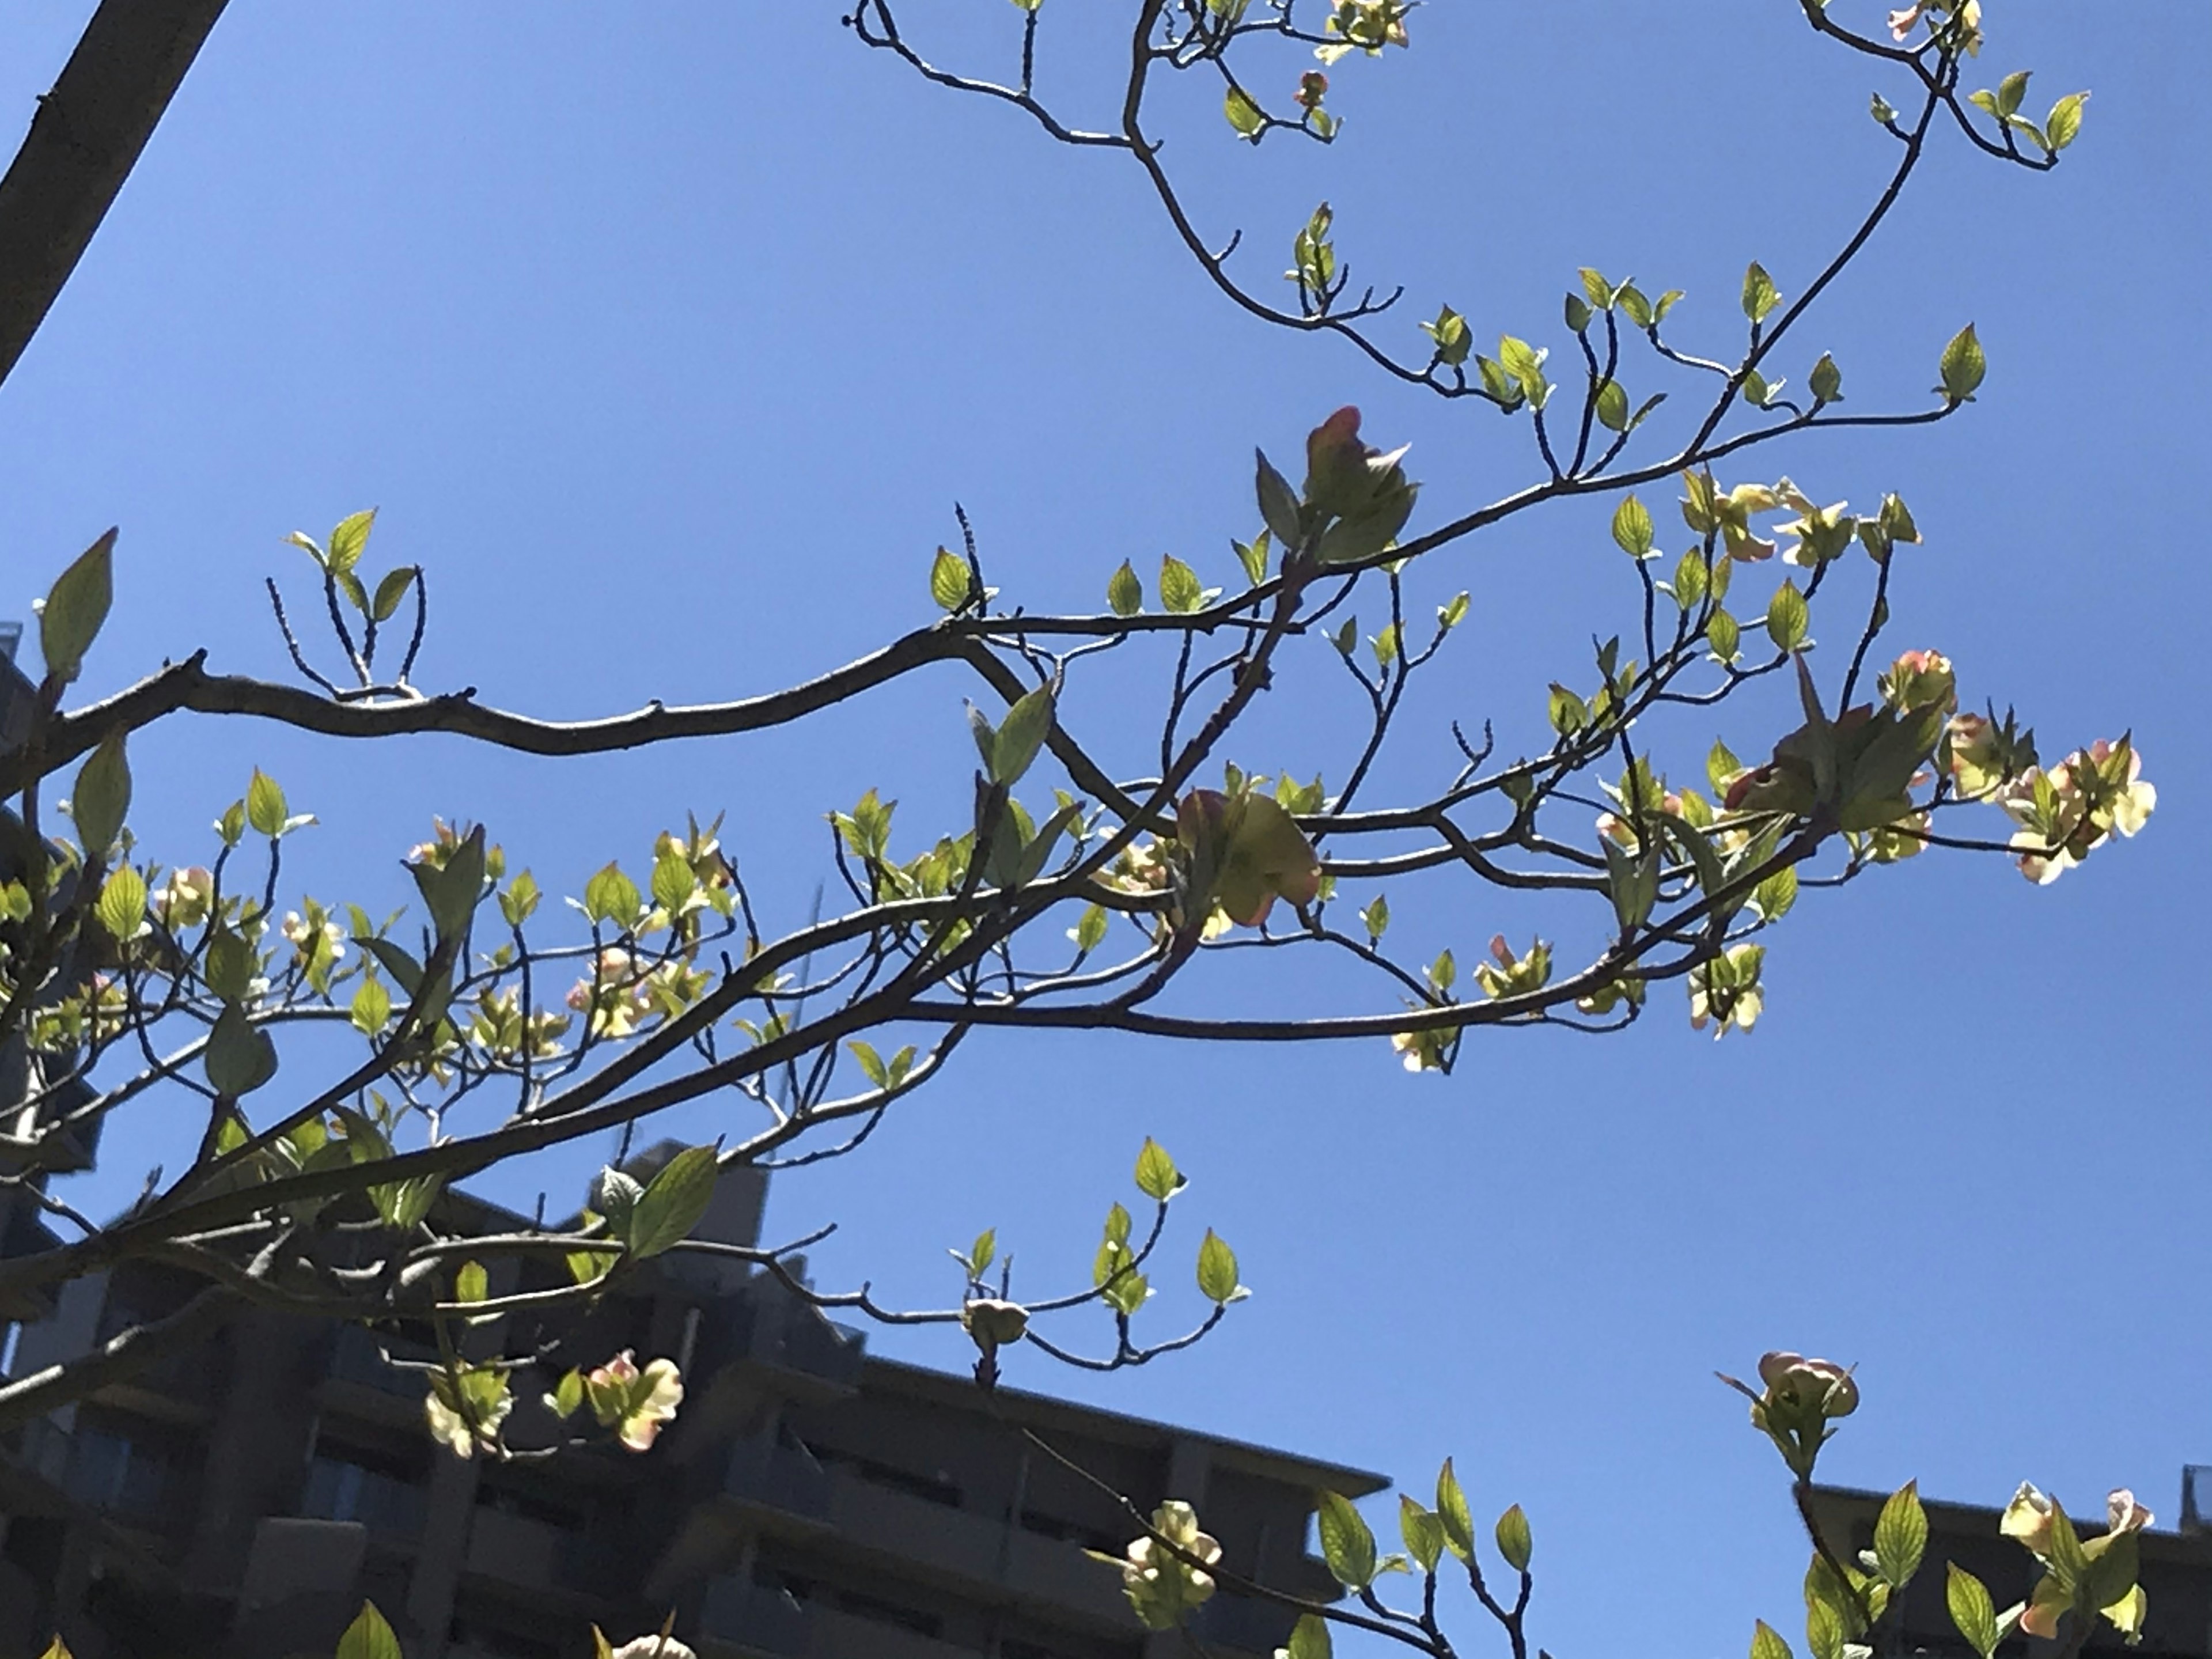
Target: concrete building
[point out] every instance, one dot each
(810, 1501)
(2176, 1573)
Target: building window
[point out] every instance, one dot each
(111, 1472)
(1072, 1532)
(877, 1611)
(339, 1489)
(931, 1489)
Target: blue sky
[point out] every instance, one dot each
(666, 341)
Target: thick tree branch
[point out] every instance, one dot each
(83, 142)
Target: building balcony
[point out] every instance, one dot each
(763, 1473)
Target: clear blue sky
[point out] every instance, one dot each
(666, 339)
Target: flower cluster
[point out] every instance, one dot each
(1366, 26)
(1797, 1401)
(622, 996)
(1507, 975)
(634, 1402)
(2066, 813)
(1726, 993)
(2091, 1578)
(185, 900)
(1162, 1584)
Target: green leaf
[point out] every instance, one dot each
(1244, 114)
(674, 880)
(1091, 929)
(1278, 505)
(672, 1203)
(1386, 646)
(1689, 582)
(1253, 557)
(1638, 309)
(1600, 292)
(350, 540)
(1766, 1641)
(1375, 918)
(985, 1250)
(2011, 90)
(390, 591)
(239, 1059)
(368, 1637)
(1180, 592)
(568, 1395)
(1452, 613)
(1963, 365)
(1786, 615)
(1125, 594)
(372, 1007)
(2064, 126)
(1158, 1178)
(121, 908)
(229, 965)
(1759, 295)
(948, 580)
(265, 809)
(1826, 381)
(1452, 1512)
(1773, 898)
(1309, 1638)
(1971, 1611)
(1424, 1532)
(471, 1283)
(611, 895)
(1631, 528)
(870, 1063)
(1514, 1542)
(1216, 1270)
(1020, 735)
(1824, 1630)
(1900, 1536)
(77, 604)
(1721, 630)
(1347, 1544)
(403, 968)
(1612, 406)
(1578, 314)
(102, 797)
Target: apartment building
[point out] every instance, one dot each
(812, 1501)
(2176, 1573)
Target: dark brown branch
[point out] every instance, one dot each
(84, 139)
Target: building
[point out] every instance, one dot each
(810, 1501)
(2176, 1573)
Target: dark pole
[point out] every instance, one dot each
(84, 139)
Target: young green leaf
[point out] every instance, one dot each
(1021, 734)
(1423, 1533)
(1766, 1641)
(1244, 114)
(77, 604)
(1158, 1178)
(1089, 932)
(1309, 1639)
(265, 808)
(1452, 1511)
(2064, 126)
(1347, 1544)
(102, 797)
(239, 1057)
(1759, 295)
(121, 908)
(1631, 528)
(1900, 1536)
(471, 1282)
(350, 540)
(1125, 594)
(1968, 1601)
(1786, 615)
(948, 580)
(1963, 365)
(1514, 1542)
(368, 1637)
(672, 1203)
(390, 591)
(1181, 592)
(1217, 1270)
